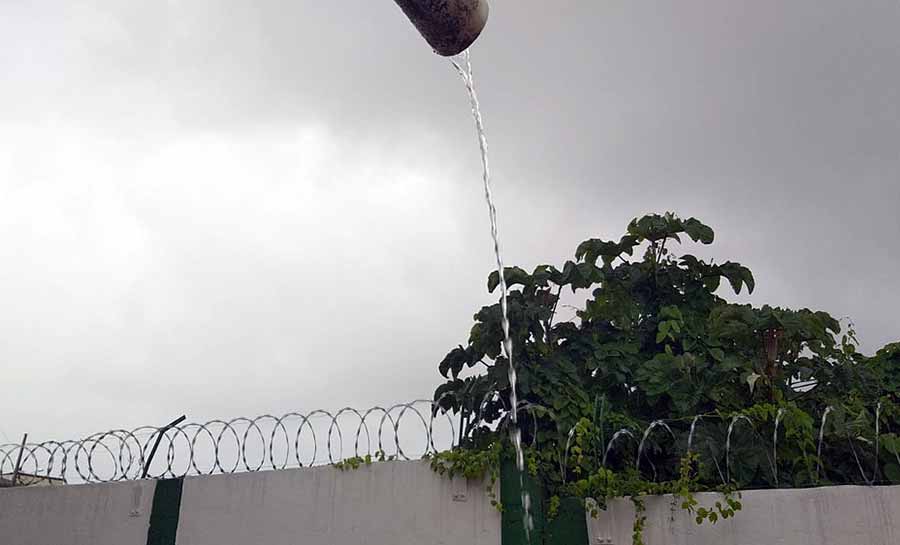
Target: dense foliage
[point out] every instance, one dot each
(654, 340)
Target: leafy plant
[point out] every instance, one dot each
(472, 464)
(656, 340)
(354, 462)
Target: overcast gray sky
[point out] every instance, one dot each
(247, 206)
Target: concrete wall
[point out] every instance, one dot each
(91, 514)
(384, 504)
(405, 503)
(847, 515)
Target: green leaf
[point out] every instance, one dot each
(543, 274)
(712, 282)
(747, 277)
(698, 231)
(735, 275)
(453, 362)
(591, 250)
(512, 275)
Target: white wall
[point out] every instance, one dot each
(383, 504)
(89, 514)
(847, 515)
(406, 503)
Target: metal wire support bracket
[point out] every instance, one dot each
(159, 437)
(15, 475)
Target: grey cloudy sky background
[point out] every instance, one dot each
(240, 207)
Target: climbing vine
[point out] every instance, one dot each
(472, 464)
(651, 382)
(356, 462)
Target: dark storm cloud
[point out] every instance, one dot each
(259, 206)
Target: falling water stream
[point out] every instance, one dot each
(464, 68)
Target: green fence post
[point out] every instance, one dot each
(165, 512)
(512, 528)
(569, 527)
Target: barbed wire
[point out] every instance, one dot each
(403, 431)
(686, 438)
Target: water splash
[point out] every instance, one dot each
(465, 72)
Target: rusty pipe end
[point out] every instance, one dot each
(449, 26)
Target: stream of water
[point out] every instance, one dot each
(464, 68)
